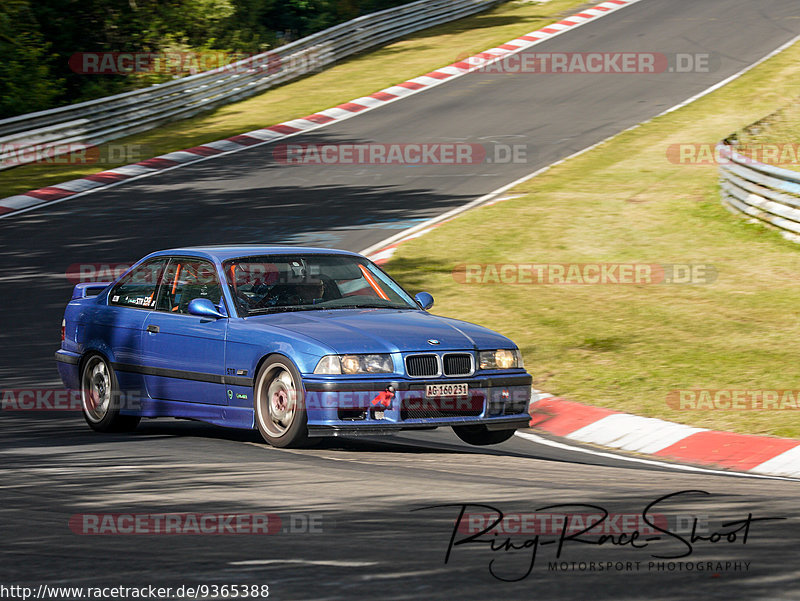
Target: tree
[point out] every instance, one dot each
(26, 83)
(38, 38)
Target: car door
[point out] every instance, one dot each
(119, 325)
(185, 354)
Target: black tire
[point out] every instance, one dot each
(480, 436)
(100, 397)
(279, 404)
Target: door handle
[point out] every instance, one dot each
(153, 329)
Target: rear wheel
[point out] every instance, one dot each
(100, 398)
(280, 412)
(480, 435)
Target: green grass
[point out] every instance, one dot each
(780, 128)
(358, 76)
(627, 346)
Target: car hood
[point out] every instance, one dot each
(384, 330)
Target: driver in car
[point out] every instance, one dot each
(310, 292)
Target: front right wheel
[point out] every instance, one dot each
(480, 435)
(280, 413)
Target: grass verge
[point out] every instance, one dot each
(628, 346)
(779, 130)
(358, 76)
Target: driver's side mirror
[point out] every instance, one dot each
(202, 307)
(424, 300)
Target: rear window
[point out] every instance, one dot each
(138, 287)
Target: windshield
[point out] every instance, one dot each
(280, 283)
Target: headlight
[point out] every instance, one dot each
(501, 359)
(329, 364)
(355, 364)
(350, 364)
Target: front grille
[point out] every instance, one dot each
(422, 366)
(422, 408)
(457, 364)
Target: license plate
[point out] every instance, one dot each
(437, 390)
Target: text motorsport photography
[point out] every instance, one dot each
(666, 541)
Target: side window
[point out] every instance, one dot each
(185, 280)
(138, 288)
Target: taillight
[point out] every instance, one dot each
(63, 329)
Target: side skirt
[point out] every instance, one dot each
(220, 415)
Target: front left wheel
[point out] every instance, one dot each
(280, 413)
(100, 397)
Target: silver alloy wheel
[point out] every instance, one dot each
(277, 400)
(96, 389)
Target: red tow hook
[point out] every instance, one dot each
(384, 399)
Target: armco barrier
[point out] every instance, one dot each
(764, 192)
(97, 121)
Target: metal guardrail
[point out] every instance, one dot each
(764, 192)
(97, 121)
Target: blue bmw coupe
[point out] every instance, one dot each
(297, 342)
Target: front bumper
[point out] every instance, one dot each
(356, 406)
(369, 429)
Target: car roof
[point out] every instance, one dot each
(232, 251)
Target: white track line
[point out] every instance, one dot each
(673, 466)
(306, 562)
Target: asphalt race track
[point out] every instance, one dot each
(368, 542)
